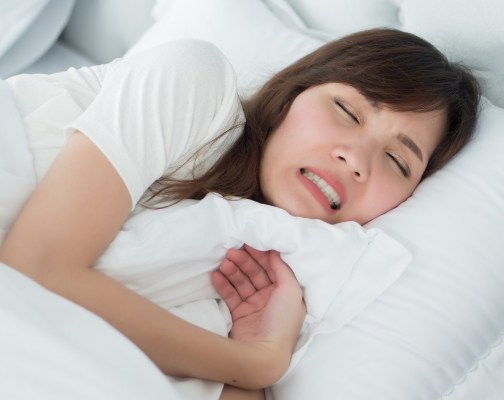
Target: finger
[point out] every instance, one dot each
(261, 257)
(237, 278)
(286, 279)
(256, 273)
(226, 291)
(280, 272)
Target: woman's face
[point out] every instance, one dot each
(338, 157)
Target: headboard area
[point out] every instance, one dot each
(105, 29)
(467, 31)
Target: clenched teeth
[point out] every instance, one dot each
(331, 195)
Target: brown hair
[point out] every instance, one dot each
(390, 67)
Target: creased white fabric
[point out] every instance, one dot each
(165, 254)
(17, 177)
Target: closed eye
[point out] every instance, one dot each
(402, 166)
(346, 111)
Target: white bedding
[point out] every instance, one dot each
(16, 167)
(166, 254)
(58, 58)
(53, 349)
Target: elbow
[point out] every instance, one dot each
(46, 271)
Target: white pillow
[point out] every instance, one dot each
(467, 30)
(433, 327)
(15, 18)
(339, 18)
(33, 34)
(246, 31)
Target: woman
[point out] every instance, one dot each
(346, 133)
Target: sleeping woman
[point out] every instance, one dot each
(344, 134)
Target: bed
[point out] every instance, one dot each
(434, 332)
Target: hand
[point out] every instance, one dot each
(263, 296)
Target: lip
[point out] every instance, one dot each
(315, 191)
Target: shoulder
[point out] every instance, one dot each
(191, 51)
(196, 59)
(183, 68)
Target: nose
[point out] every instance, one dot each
(356, 160)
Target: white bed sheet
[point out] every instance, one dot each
(58, 58)
(52, 349)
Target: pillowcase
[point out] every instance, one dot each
(473, 35)
(338, 18)
(33, 27)
(255, 41)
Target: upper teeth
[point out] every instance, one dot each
(331, 195)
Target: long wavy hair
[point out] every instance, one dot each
(390, 67)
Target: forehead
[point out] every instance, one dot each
(423, 130)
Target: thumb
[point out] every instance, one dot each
(283, 274)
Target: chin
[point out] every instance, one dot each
(300, 212)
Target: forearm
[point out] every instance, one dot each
(175, 346)
(68, 222)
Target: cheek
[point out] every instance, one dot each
(385, 198)
(306, 117)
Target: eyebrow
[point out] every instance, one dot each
(410, 144)
(404, 139)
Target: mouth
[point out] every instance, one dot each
(327, 190)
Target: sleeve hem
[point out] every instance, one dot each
(114, 151)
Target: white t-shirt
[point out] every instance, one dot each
(147, 113)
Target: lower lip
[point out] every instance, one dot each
(316, 193)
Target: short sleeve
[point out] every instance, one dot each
(157, 108)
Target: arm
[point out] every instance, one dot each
(68, 222)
